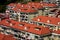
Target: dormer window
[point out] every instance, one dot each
(36, 28)
(21, 24)
(38, 19)
(48, 21)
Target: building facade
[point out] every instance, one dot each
(24, 31)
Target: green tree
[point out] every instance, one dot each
(2, 8)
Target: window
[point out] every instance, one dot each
(1, 29)
(11, 11)
(31, 22)
(59, 36)
(36, 37)
(51, 25)
(59, 27)
(28, 34)
(22, 32)
(13, 15)
(25, 19)
(36, 28)
(16, 35)
(22, 16)
(39, 23)
(34, 22)
(46, 14)
(4, 28)
(22, 19)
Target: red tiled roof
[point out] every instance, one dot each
(1, 36)
(18, 5)
(12, 4)
(9, 37)
(44, 19)
(25, 10)
(57, 32)
(6, 37)
(30, 10)
(4, 16)
(25, 6)
(15, 9)
(52, 5)
(34, 4)
(30, 5)
(48, 4)
(30, 27)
